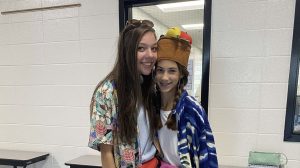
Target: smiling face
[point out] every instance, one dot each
(147, 53)
(167, 76)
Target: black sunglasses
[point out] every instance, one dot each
(136, 23)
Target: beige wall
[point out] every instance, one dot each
(250, 56)
(50, 62)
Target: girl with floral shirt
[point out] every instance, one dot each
(122, 120)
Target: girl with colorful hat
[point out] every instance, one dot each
(185, 135)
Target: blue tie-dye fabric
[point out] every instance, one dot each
(196, 146)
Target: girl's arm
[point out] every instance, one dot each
(107, 156)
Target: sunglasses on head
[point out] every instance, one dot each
(136, 23)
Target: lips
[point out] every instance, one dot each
(147, 63)
(165, 84)
(146, 67)
(150, 64)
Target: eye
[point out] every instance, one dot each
(141, 49)
(172, 71)
(159, 70)
(154, 49)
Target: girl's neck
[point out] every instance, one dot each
(167, 100)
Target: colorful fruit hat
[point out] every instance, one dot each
(175, 46)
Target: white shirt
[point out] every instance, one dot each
(147, 149)
(168, 141)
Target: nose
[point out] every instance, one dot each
(151, 53)
(164, 76)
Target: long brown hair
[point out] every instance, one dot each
(171, 121)
(132, 92)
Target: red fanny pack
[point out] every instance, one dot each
(153, 163)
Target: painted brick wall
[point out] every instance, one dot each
(251, 48)
(50, 62)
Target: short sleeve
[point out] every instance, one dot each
(102, 116)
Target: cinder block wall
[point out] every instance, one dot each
(51, 61)
(250, 60)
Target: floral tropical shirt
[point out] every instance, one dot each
(103, 126)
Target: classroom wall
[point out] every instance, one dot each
(50, 62)
(250, 60)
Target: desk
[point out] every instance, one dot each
(17, 158)
(85, 161)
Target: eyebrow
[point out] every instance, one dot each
(154, 44)
(166, 68)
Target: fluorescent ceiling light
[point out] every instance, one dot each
(192, 26)
(181, 6)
